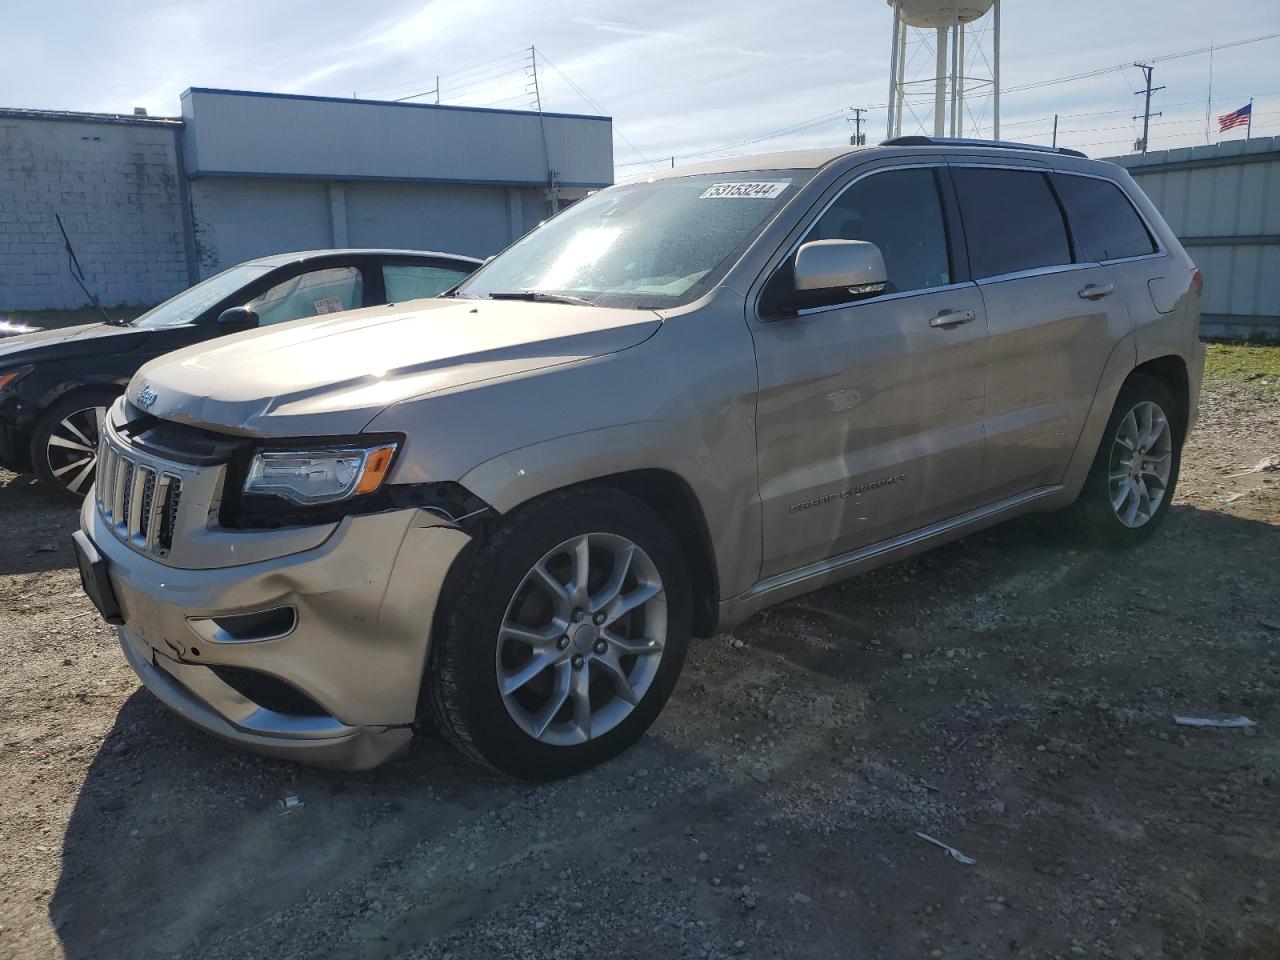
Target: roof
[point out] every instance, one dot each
(386, 103)
(281, 259)
(813, 159)
(125, 119)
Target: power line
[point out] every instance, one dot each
(408, 84)
(599, 109)
(1019, 88)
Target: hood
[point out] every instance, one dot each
(63, 342)
(331, 375)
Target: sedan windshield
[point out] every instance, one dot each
(188, 305)
(659, 243)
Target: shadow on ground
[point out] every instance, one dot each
(35, 532)
(1018, 692)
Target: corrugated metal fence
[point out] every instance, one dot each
(1223, 202)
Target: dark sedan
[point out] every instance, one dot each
(55, 385)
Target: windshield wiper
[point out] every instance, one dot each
(539, 296)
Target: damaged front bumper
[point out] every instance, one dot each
(317, 656)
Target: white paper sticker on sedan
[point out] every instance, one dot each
(761, 190)
(328, 305)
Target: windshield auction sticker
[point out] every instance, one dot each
(763, 190)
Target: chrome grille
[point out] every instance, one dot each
(138, 501)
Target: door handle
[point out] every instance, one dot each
(953, 318)
(1096, 291)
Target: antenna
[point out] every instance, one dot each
(77, 274)
(1141, 145)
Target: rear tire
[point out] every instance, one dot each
(541, 673)
(64, 444)
(1135, 471)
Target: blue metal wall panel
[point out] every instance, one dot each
(1223, 202)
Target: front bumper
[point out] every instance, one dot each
(355, 647)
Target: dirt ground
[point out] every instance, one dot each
(1011, 695)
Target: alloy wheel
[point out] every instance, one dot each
(72, 448)
(581, 639)
(1141, 464)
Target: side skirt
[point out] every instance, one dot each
(814, 576)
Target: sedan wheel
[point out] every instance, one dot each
(71, 450)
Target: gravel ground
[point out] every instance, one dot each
(1011, 695)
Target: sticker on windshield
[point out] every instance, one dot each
(328, 305)
(762, 190)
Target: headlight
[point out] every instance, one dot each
(12, 376)
(319, 476)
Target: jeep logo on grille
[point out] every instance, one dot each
(146, 397)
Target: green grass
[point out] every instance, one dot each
(1243, 361)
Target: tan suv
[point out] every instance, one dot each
(680, 401)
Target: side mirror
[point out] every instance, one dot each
(237, 318)
(839, 265)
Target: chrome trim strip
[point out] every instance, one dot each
(159, 500)
(136, 489)
(117, 493)
(898, 295)
(833, 564)
(1036, 272)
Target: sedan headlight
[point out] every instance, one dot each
(319, 476)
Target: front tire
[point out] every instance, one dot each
(64, 444)
(1131, 483)
(566, 638)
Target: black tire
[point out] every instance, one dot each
(461, 689)
(1092, 516)
(59, 469)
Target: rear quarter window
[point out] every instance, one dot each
(1106, 225)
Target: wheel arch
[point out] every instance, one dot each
(1170, 370)
(671, 497)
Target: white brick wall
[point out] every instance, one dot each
(116, 189)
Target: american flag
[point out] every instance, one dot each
(1236, 118)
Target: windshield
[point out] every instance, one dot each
(188, 305)
(659, 243)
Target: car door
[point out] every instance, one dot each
(869, 417)
(1052, 317)
(325, 287)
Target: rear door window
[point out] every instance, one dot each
(411, 281)
(1012, 221)
(1106, 225)
(899, 211)
(330, 290)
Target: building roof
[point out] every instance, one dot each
(127, 119)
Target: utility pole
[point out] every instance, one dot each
(553, 178)
(1055, 131)
(1141, 145)
(858, 139)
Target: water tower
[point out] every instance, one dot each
(953, 47)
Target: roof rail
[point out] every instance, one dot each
(920, 141)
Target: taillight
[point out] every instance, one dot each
(1197, 281)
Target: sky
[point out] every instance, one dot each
(681, 80)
